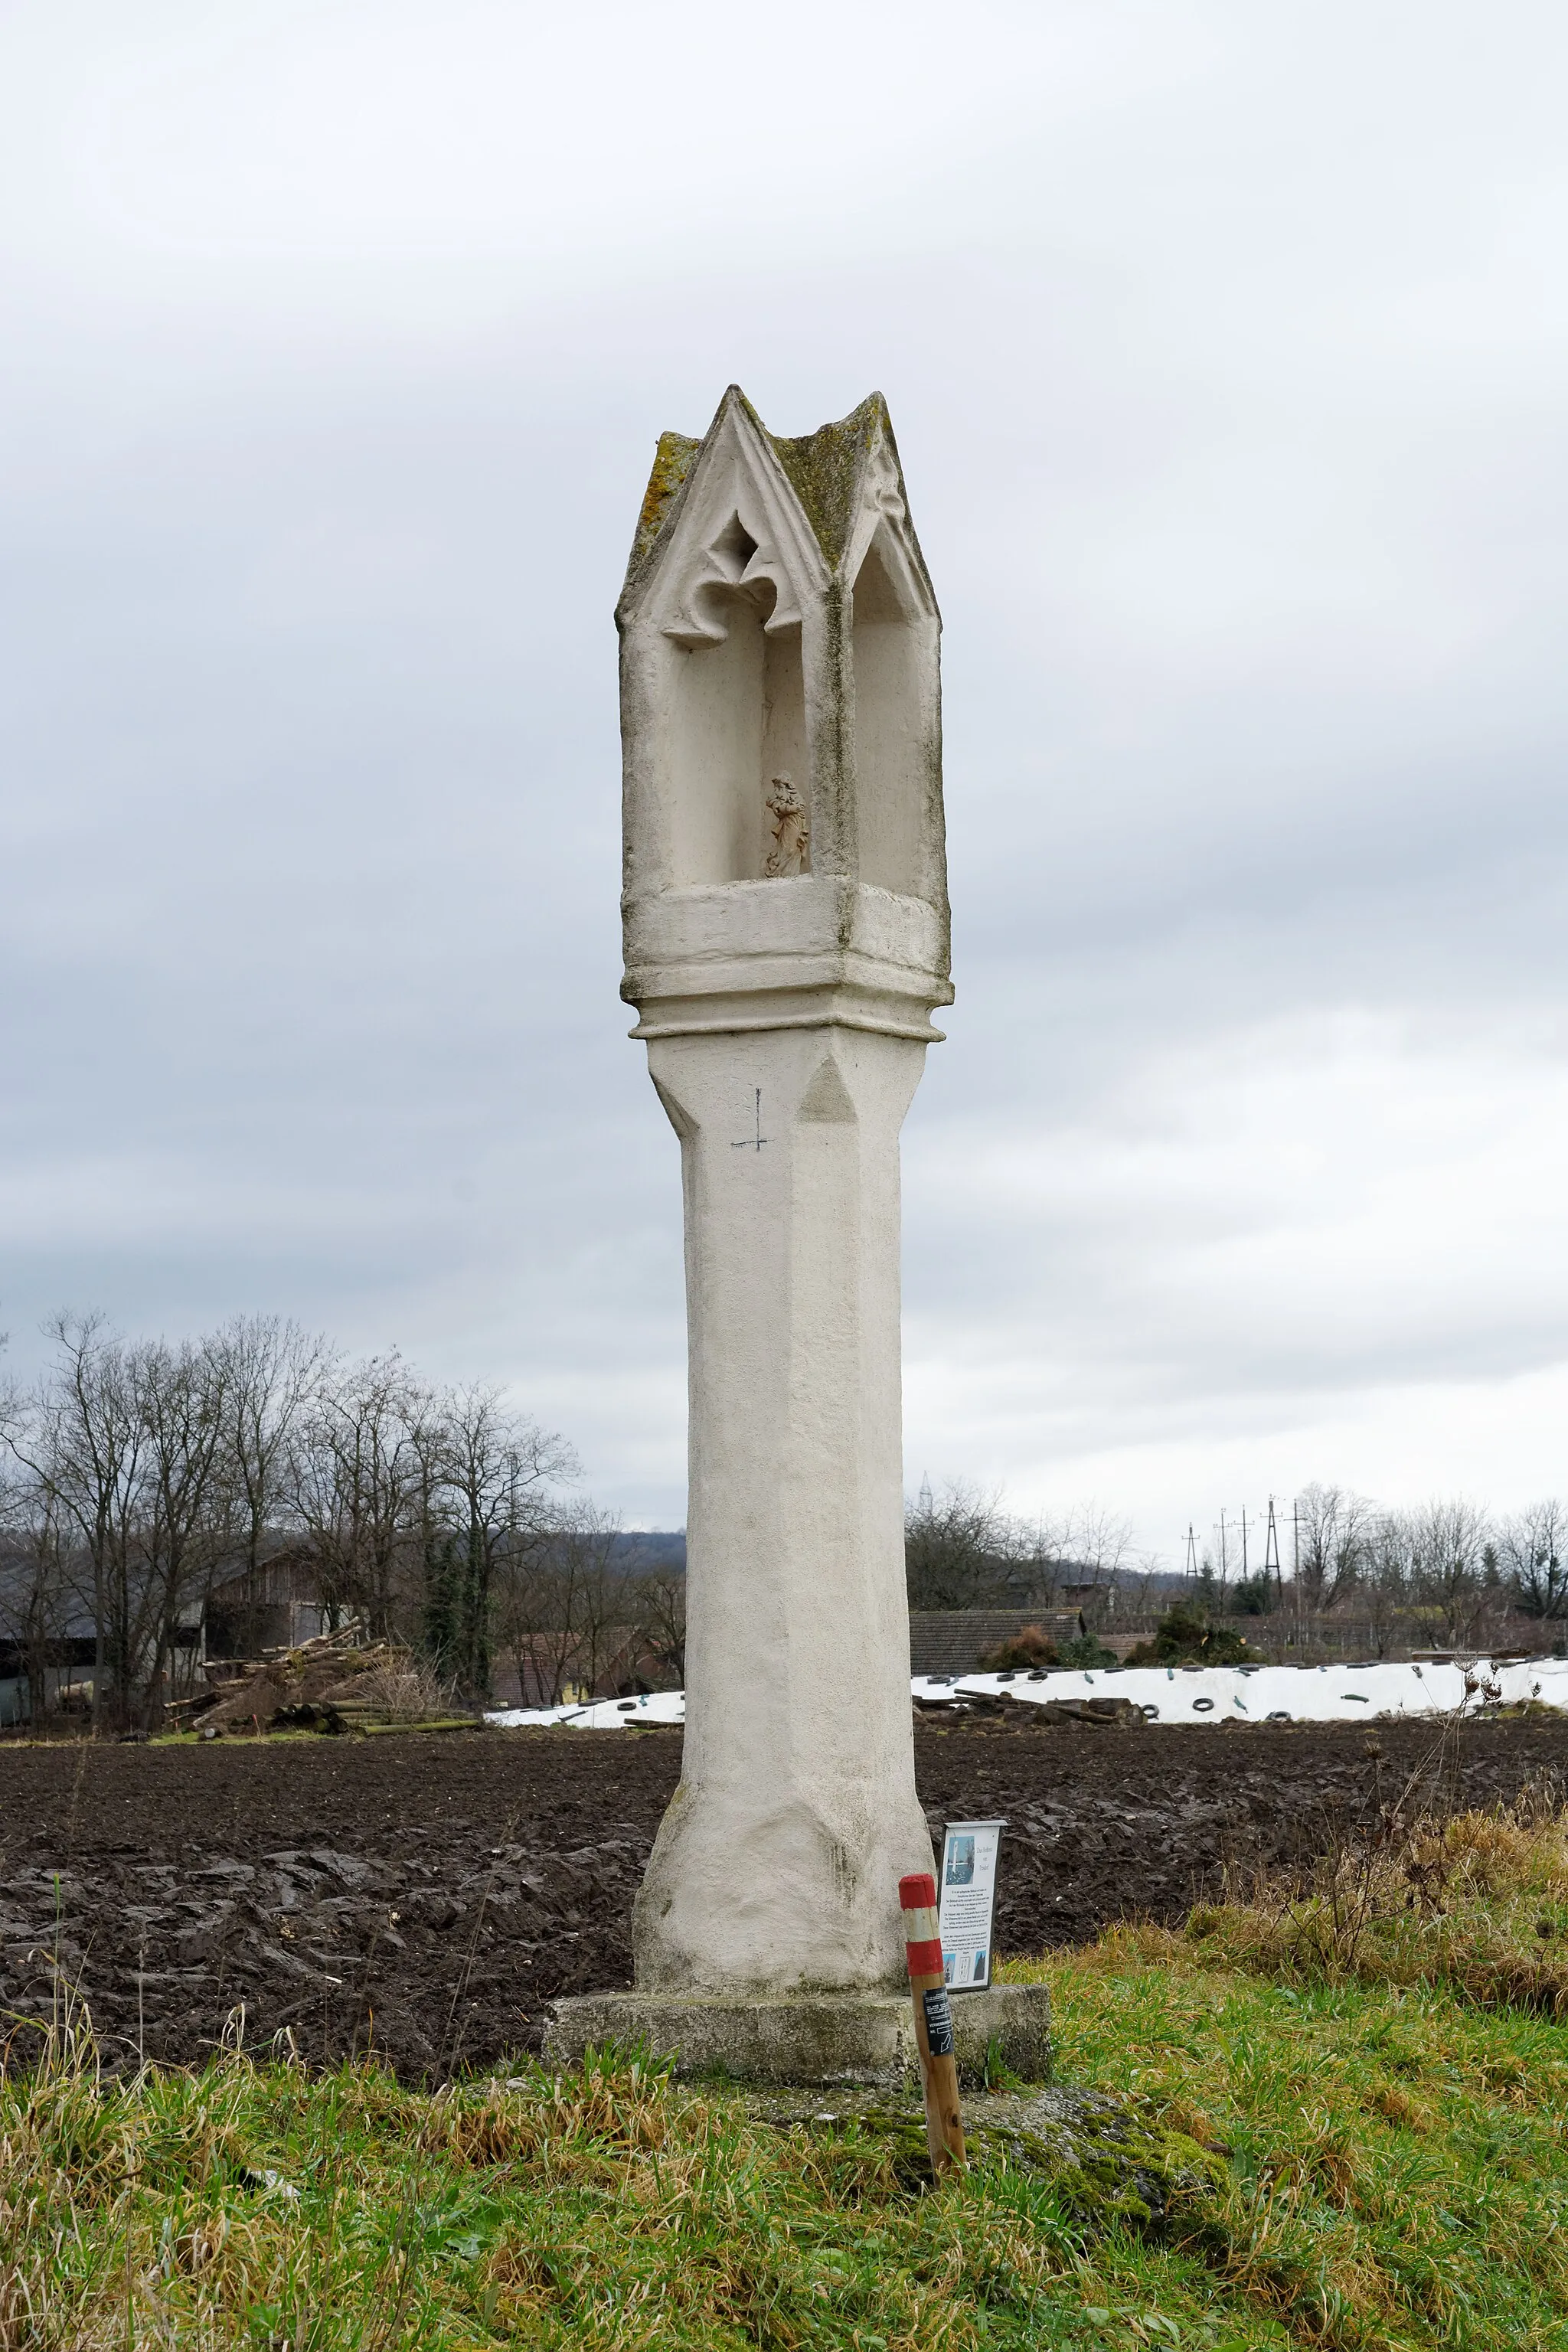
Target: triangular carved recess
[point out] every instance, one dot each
(826, 1098)
(738, 525)
(883, 515)
(676, 1112)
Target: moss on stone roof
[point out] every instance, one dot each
(671, 464)
(823, 469)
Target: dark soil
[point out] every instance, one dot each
(429, 1896)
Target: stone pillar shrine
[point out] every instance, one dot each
(786, 927)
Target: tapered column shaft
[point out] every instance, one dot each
(777, 1865)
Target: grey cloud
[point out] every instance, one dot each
(1229, 385)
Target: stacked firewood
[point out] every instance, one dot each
(338, 1681)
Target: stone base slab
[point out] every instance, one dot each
(807, 2037)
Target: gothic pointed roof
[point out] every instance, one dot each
(825, 471)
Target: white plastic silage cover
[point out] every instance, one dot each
(604, 1715)
(1276, 1693)
(1171, 1693)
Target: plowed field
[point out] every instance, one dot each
(430, 1896)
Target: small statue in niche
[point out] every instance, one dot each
(790, 827)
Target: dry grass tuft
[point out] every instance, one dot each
(614, 2105)
(1479, 1902)
(401, 1691)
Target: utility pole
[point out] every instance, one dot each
(1244, 1543)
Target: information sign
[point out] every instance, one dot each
(968, 1896)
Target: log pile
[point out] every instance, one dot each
(1002, 1706)
(338, 1681)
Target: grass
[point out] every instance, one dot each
(1353, 2093)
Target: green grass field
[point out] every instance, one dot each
(1355, 2098)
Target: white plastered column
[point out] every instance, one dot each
(780, 645)
(776, 1867)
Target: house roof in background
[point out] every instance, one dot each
(953, 1641)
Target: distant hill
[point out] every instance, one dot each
(637, 1550)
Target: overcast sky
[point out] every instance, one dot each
(1227, 350)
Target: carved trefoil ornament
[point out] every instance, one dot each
(780, 719)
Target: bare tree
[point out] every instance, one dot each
(359, 1477)
(121, 1445)
(35, 1547)
(956, 1546)
(180, 1397)
(486, 1473)
(1449, 1541)
(82, 1438)
(270, 1371)
(537, 1618)
(584, 1546)
(32, 1585)
(962, 1550)
(146, 1473)
(1099, 1543)
(566, 1608)
(1036, 1553)
(1387, 1578)
(1533, 1547)
(1335, 1527)
(658, 1608)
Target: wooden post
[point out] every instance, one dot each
(933, 2020)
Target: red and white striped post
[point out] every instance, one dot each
(933, 2020)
